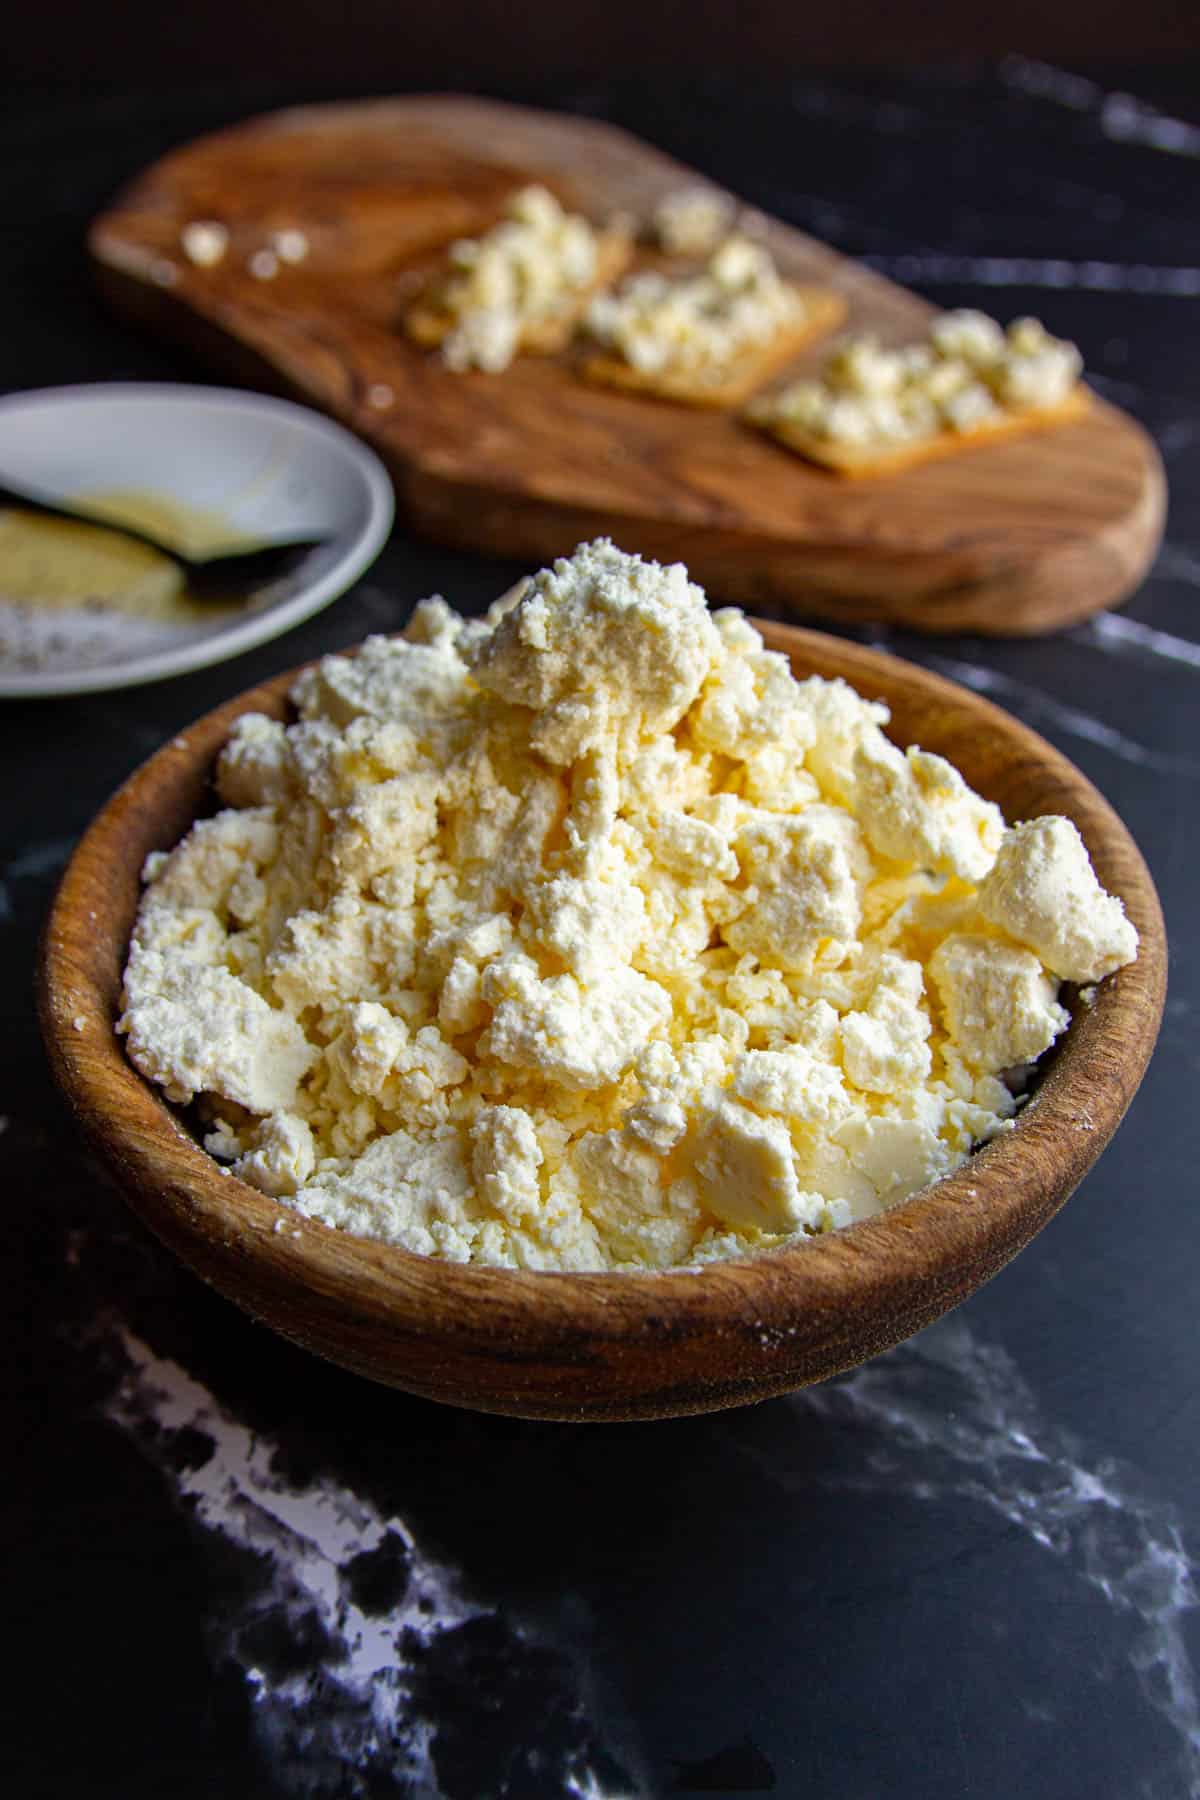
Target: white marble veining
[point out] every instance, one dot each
(947, 1419)
(1177, 435)
(1034, 705)
(1122, 117)
(1048, 83)
(845, 107)
(962, 270)
(1180, 565)
(1122, 636)
(347, 1720)
(941, 1421)
(33, 863)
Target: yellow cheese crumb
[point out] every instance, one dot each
(584, 936)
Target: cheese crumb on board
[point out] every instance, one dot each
(204, 242)
(874, 408)
(521, 286)
(290, 244)
(709, 338)
(585, 936)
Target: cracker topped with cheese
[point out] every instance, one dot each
(709, 338)
(522, 286)
(875, 409)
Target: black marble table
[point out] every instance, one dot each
(966, 1570)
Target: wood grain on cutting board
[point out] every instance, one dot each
(1021, 536)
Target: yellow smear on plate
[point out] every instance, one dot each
(192, 531)
(62, 565)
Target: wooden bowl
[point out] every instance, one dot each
(604, 1346)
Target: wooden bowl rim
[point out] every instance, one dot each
(909, 1262)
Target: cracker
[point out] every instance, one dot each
(429, 324)
(823, 312)
(858, 460)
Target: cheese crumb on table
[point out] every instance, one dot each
(873, 407)
(585, 936)
(709, 338)
(521, 286)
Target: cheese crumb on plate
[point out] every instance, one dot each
(585, 936)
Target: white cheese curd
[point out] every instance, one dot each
(584, 936)
(526, 270)
(968, 373)
(698, 325)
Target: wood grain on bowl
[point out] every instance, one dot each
(1007, 538)
(611, 1346)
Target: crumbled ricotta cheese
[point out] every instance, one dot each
(283, 1157)
(1043, 891)
(968, 372)
(601, 645)
(916, 808)
(585, 936)
(691, 221)
(698, 325)
(997, 1001)
(526, 270)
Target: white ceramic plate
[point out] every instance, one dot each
(265, 464)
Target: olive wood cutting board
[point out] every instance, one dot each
(1014, 537)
